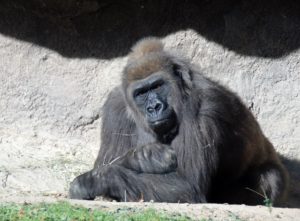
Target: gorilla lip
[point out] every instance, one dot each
(168, 117)
(158, 122)
(164, 125)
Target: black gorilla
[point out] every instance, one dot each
(170, 134)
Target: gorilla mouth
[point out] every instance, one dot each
(161, 121)
(167, 117)
(164, 125)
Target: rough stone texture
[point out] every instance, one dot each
(59, 59)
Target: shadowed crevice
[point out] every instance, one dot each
(107, 28)
(293, 167)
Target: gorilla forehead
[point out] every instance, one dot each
(145, 66)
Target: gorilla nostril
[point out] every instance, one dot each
(150, 110)
(158, 107)
(154, 107)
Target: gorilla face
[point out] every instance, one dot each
(151, 97)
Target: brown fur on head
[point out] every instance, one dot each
(144, 47)
(146, 57)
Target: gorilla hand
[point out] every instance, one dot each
(121, 184)
(152, 158)
(88, 185)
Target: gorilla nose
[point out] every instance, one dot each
(155, 107)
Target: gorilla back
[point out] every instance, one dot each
(170, 134)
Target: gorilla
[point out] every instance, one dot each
(170, 134)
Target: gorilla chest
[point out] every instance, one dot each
(144, 138)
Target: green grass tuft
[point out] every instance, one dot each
(66, 212)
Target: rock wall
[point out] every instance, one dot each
(59, 60)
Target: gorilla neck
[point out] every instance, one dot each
(166, 138)
(166, 131)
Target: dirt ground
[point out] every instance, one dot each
(34, 173)
(213, 212)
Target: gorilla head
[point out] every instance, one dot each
(155, 85)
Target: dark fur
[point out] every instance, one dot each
(217, 153)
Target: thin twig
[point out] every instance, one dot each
(114, 160)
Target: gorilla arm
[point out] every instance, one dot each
(152, 158)
(124, 173)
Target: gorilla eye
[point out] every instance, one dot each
(140, 93)
(157, 85)
(176, 71)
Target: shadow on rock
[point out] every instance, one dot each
(293, 167)
(108, 28)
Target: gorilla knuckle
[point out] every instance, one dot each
(76, 190)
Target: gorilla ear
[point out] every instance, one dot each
(184, 74)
